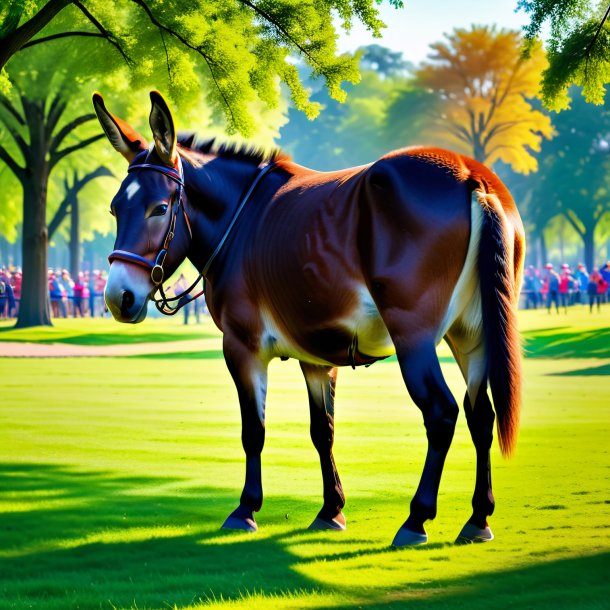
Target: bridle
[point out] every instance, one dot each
(157, 273)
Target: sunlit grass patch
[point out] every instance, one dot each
(116, 474)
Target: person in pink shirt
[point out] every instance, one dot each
(566, 283)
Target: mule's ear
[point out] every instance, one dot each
(164, 132)
(124, 138)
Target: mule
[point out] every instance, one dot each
(333, 269)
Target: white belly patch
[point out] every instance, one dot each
(366, 325)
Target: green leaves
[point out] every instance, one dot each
(578, 47)
(237, 52)
(590, 70)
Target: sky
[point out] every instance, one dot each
(421, 22)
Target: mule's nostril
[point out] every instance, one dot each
(127, 301)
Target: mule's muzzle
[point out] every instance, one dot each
(127, 302)
(126, 308)
(127, 292)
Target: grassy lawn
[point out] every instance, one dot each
(116, 474)
(105, 331)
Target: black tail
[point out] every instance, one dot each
(499, 264)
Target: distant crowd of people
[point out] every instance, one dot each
(566, 287)
(84, 294)
(80, 296)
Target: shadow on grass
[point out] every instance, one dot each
(592, 371)
(88, 539)
(560, 343)
(579, 583)
(92, 539)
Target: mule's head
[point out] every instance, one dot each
(144, 207)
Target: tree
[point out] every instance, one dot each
(410, 112)
(43, 121)
(578, 47)
(484, 89)
(575, 172)
(385, 62)
(48, 144)
(242, 47)
(350, 133)
(69, 206)
(573, 183)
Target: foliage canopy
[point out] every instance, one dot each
(578, 47)
(241, 49)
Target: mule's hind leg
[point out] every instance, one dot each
(424, 379)
(250, 377)
(480, 423)
(470, 354)
(321, 390)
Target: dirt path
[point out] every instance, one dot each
(63, 350)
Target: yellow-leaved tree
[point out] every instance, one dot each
(484, 89)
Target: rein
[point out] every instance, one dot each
(157, 273)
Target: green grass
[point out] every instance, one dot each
(116, 473)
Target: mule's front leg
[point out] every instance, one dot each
(250, 377)
(321, 390)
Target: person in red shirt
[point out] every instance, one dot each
(78, 290)
(596, 289)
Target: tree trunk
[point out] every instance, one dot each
(35, 306)
(589, 242)
(74, 238)
(542, 245)
(561, 232)
(532, 251)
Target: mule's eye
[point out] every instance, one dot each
(159, 210)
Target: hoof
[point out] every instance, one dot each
(320, 523)
(471, 533)
(407, 537)
(240, 519)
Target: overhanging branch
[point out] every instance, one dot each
(572, 218)
(12, 165)
(71, 196)
(284, 33)
(599, 29)
(13, 42)
(104, 32)
(60, 154)
(67, 129)
(37, 41)
(12, 111)
(208, 60)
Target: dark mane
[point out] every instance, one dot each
(243, 151)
